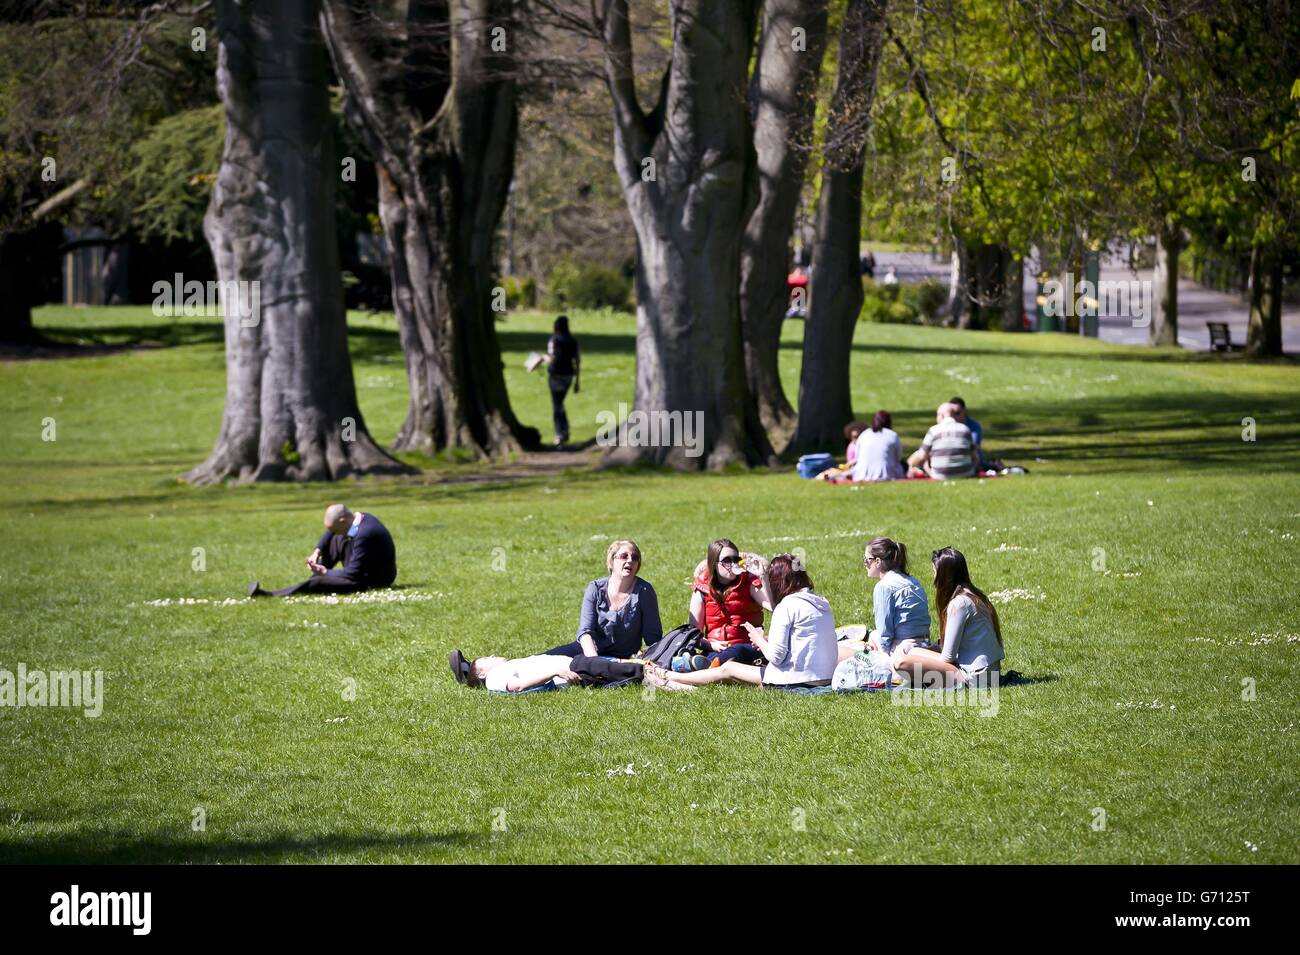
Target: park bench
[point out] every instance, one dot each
(1220, 337)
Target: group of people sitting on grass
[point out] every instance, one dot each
(952, 448)
(801, 647)
(619, 620)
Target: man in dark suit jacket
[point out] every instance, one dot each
(357, 541)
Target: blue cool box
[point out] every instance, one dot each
(811, 465)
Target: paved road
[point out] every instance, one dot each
(1196, 304)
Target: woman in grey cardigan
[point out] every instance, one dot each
(968, 624)
(620, 613)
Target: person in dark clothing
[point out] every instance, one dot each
(867, 263)
(562, 369)
(357, 541)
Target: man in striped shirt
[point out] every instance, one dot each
(947, 450)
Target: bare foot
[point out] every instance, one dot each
(654, 675)
(674, 687)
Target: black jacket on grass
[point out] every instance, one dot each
(367, 552)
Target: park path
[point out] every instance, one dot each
(1196, 304)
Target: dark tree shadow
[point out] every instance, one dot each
(163, 848)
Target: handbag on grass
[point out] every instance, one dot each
(865, 670)
(686, 639)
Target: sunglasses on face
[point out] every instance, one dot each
(729, 560)
(627, 557)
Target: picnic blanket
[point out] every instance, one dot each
(1005, 472)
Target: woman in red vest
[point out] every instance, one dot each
(727, 596)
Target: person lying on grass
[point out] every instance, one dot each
(728, 597)
(801, 651)
(357, 541)
(503, 675)
(972, 635)
(620, 612)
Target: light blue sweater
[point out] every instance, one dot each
(900, 609)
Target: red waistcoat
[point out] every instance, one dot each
(738, 607)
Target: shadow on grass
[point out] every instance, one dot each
(128, 847)
(1129, 353)
(75, 341)
(1022, 679)
(590, 343)
(1196, 430)
(1164, 428)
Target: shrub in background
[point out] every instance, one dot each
(574, 285)
(520, 292)
(926, 299)
(884, 303)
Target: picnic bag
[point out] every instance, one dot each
(811, 465)
(685, 639)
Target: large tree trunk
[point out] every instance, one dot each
(436, 106)
(995, 289)
(989, 270)
(959, 285)
(15, 301)
(1264, 330)
(1164, 303)
(783, 99)
(291, 409)
(1013, 303)
(683, 169)
(825, 404)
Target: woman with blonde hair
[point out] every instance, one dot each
(620, 611)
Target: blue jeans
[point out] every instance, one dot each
(741, 653)
(573, 649)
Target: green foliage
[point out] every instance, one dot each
(903, 304)
(1060, 124)
(520, 292)
(586, 285)
(83, 91)
(174, 167)
(926, 299)
(881, 304)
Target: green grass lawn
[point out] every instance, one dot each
(241, 710)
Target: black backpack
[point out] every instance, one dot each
(685, 639)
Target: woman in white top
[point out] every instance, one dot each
(801, 650)
(880, 453)
(972, 635)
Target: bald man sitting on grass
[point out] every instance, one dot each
(357, 541)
